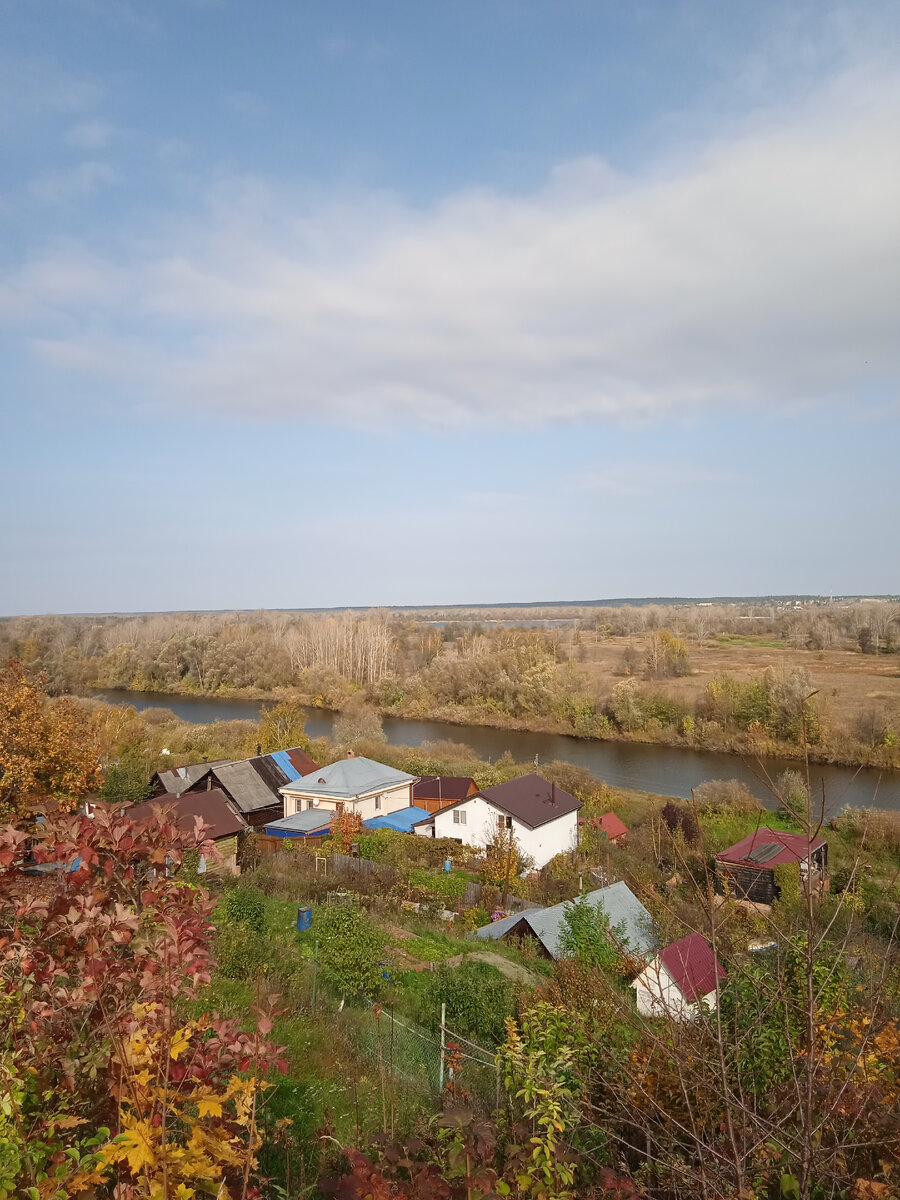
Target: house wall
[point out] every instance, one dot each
(745, 882)
(392, 799)
(480, 829)
(658, 995)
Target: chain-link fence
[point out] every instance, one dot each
(432, 1063)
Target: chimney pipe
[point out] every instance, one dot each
(259, 749)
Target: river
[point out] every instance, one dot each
(668, 770)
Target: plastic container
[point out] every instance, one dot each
(304, 918)
(448, 864)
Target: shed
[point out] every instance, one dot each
(683, 976)
(310, 823)
(614, 828)
(746, 869)
(214, 809)
(618, 902)
(434, 792)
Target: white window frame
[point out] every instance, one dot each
(459, 816)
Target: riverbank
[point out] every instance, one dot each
(738, 744)
(641, 766)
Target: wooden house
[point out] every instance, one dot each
(434, 792)
(746, 870)
(679, 979)
(215, 810)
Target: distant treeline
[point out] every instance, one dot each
(489, 672)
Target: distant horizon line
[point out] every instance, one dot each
(611, 602)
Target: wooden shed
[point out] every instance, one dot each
(746, 870)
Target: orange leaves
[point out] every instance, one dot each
(47, 748)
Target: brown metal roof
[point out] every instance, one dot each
(531, 800)
(212, 807)
(443, 787)
(301, 760)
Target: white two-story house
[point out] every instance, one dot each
(354, 784)
(543, 818)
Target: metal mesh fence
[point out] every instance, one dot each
(416, 1058)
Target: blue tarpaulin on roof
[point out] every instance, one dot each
(281, 757)
(402, 820)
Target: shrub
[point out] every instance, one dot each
(244, 905)
(351, 948)
(478, 999)
(720, 795)
(239, 951)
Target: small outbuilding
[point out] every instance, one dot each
(308, 824)
(631, 926)
(746, 870)
(680, 978)
(401, 821)
(215, 810)
(434, 792)
(615, 829)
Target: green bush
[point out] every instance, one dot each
(351, 948)
(478, 999)
(239, 951)
(244, 905)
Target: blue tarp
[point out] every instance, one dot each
(402, 820)
(281, 757)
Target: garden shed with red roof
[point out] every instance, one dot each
(683, 976)
(746, 870)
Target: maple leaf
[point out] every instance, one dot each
(209, 1106)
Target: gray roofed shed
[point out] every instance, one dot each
(619, 903)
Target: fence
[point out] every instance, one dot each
(427, 1061)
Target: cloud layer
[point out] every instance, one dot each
(760, 270)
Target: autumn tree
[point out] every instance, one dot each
(282, 728)
(48, 748)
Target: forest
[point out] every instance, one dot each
(729, 677)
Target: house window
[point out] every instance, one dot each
(504, 823)
(459, 816)
(310, 804)
(377, 803)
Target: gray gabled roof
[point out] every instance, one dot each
(246, 786)
(176, 779)
(618, 902)
(347, 778)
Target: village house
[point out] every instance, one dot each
(434, 792)
(355, 784)
(252, 784)
(542, 817)
(172, 781)
(215, 810)
(746, 870)
(683, 976)
(630, 924)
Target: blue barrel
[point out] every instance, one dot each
(304, 918)
(448, 864)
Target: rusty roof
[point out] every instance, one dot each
(770, 848)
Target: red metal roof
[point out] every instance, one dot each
(693, 966)
(794, 847)
(611, 825)
(211, 806)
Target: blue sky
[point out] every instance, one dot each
(356, 303)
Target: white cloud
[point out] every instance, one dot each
(80, 182)
(91, 135)
(758, 272)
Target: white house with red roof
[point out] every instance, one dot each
(681, 978)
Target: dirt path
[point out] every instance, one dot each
(511, 970)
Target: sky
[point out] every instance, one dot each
(397, 302)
